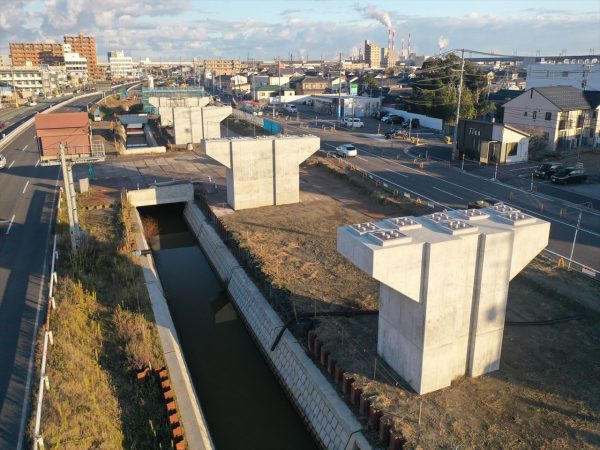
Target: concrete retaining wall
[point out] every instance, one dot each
(327, 416)
(425, 121)
(193, 421)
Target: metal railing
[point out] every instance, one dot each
(44, 385)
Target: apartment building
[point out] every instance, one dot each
(120, 66)
(76, 66)
(32, 80)
(372, 54)
(219, 67)
(36, 53)
(86, 47)
(566, 115)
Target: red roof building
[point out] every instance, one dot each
(69, 129)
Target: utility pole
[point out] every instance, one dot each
(574, 239)
(460, 83)
(67, 171)
(340, 95)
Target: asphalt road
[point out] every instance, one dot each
(450, 187)
(27, 198)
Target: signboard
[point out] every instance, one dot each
(353, 89)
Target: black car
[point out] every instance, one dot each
(483, 203)
(546, 170)
(396, 120)
(414, 123)
(569, 175)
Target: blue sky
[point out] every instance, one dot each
(266, 29)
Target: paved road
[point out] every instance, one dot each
(452, 188)
(27, 198)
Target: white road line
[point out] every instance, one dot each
(11, 164)
(10, 224)
(397, 173)
(447, 193)
(25, 188)
(521, 168)
(37, 163)
(361, 158)
(25, 148)
(26, 397)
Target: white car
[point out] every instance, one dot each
(346, 150)
(290, 108)
(353, 122)
(2, 161)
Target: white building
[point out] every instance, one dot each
(75, 65)
(582, 76)
(120, 66)
(32, 80)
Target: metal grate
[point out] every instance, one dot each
(455, 226)
(438, 217)
(502, 208)
(517, 218)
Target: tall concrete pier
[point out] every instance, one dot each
(444, 285)
(262, 171)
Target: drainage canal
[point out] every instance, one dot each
(244, 404)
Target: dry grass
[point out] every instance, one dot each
(546, 394)
(104, 330)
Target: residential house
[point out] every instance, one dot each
(312, 85)
(268, 92)
(562, 113)
(491, 142)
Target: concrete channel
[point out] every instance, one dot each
(251, 397)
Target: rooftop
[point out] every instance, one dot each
(566, 98)
(61, 120)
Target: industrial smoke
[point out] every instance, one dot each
(442, 43)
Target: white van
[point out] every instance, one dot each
(353, 122)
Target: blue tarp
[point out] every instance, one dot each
(272, 127)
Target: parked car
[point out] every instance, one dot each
(31, 103)
(483, 203)
(546, 170)
(381, 114)
(292, 109)
(346, 150)
(401, 133)
(569, 175)
(2, 125)
(353, 122)
(389, 118)
(2, 161)
(414, 123)
(398, 120)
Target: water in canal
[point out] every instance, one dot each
(244, 404)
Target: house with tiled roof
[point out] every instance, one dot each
(566, 115)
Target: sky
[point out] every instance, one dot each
(170, 30)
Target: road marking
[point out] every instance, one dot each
(397, 173)
(37, 163)
(448, 193)
(10, 224)
(521, 168)
(26, 397)
(361, 158)
(11, 164)
(25, 188)
(25, 148)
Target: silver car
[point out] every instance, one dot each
(2, 161)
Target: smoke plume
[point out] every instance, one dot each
(442, 42)
(380, 16)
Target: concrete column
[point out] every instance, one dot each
(444, 286)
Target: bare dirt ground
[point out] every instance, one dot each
(547, 391)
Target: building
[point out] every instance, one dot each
(490, 142)
(71, 130)
(86, 47)
(372, 54)
(312, 85)
(36, 53)
(219, 67)
(120, 66)
(267, 92)
(5, 60)
(582, 76)
(76, 66)
(566, 115)
(33, 80)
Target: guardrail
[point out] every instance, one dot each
(44, 385)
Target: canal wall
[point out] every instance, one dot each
(327, 416)
(194, 424)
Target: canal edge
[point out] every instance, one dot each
(196, 429)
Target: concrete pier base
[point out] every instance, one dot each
(444, 285)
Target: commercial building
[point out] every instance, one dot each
(120, 66)
(351, 105)
(372, 54)
(86, 47)
(36, 53)
(566, 115)
(489, 142)
(222, 66)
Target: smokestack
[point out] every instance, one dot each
(393, 41)
(408, 44)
